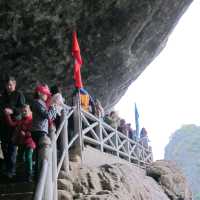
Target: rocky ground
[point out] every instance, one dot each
(124, 181)
(163, 181)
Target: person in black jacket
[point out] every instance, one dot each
(11, 101)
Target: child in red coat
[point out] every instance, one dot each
(22, 136)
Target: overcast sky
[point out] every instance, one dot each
(167, 93)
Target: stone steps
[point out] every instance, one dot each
(17, 196)
(16, 191)
(16, 188)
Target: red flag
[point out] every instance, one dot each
(77, 61)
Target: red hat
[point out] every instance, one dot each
(43, 89)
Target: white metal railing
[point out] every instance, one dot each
(107, 139)
(46, 188)
(88, 130)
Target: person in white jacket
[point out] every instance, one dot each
(58, 99)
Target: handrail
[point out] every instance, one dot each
(100, 134)
(125, 146)
(48, 162)
(110, 127)
(39, 191)
(62, 123)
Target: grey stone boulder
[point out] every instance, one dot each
(161, 181)
(171, 179)
(64, 195)
(64, 184)
(117, 181)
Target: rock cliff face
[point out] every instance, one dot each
(125, 182)
(184, 148)
(118, 39)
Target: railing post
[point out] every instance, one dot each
(44, 185)
(48, 191)
(98, 130)
(54, 162)
(151, 158)
(78, 145)
(129, 152)
(143, 152)
(138, 153)
(64, 143)
(46, 153)
(117, 144)
(100, 135)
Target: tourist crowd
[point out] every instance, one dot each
(22, 125)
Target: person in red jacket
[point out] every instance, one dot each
(22, 136)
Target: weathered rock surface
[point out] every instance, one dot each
(126, 182)
(118, 39)
(170, 178)
(184, 148)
